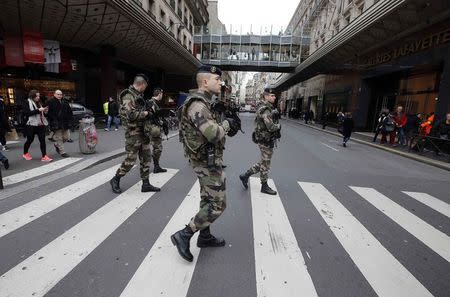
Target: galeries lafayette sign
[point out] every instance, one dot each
(409, 48)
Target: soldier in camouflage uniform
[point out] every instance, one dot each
(133, 115)
(203, 135)
(153, 129)
(265, 135)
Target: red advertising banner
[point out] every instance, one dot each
(33, 47)
(14, 51)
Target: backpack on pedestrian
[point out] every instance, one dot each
(388, 124)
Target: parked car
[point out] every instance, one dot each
(79, 111)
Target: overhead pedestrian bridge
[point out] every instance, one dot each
(247, 51)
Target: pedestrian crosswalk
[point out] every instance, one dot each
(279, 263)
(38, 171)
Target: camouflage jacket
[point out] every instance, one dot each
(132, 108)
(265, 126)
(200, 126)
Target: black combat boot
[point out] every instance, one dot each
(206, 239)
(181, 240)
(147, 187)
(244, 178)
(157, 168)
(267, 190)
(115, 184)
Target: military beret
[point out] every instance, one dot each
(269, 90)
(209, 69)
(145, 77)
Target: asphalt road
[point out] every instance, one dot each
(342, 225)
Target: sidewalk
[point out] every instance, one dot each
(107, 142)
(110, 145)
(366, 138)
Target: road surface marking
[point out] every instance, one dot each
(330, 147)
(430, 236)
(24, 214)
(432, 202)
(387, 276)
(170, 275)
(32, 173)
(280, 268)
(37, 274)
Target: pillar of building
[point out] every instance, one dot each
(361, 111)
(108, 75)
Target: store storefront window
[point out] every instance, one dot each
(419, 93)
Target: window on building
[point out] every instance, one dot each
(163, 17)
(138, 2)
(172, 4)
(180, 10)
(171, 24)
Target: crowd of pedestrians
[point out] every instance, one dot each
(39, 118)
(406, 130)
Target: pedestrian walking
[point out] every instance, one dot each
(203, 138)
(325, 119)
(60, 118)
(311, 116)
(36, 125)
(388, 128)
(133, 115)
(267, 131)
(412, 126)
(379, 126)
(306, 116)
(347, 128)
(153, 128)
(113, 114)
(400, 124)
(4, 125)
(340, 120)
(4, 160)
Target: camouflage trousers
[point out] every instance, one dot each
(262, 166)
(212, 194)
(136, 144)
(157, 148)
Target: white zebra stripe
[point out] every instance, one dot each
(387, 276)
(430, 236)
(37, 274)
(280, 268)
(170, 275)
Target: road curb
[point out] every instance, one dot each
(77, 167)
(418, 158)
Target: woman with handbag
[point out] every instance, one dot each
(36, 125)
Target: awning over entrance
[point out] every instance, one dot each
(135, 34)
(382, 23)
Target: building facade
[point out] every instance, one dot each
(91, 50)
(407, 62)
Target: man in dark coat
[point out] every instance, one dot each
(60, 118)
(4, 126)
(347, 128)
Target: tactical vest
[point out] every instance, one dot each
(123, 112)
(261, 132)
(194, 142)
(153, 126)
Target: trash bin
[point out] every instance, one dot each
(88, 135)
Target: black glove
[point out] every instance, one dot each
(235, 126)
(275, 115)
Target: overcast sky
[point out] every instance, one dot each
(257, 12)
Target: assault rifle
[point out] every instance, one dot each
(231, 111)
(276, 119)
(156, 117)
